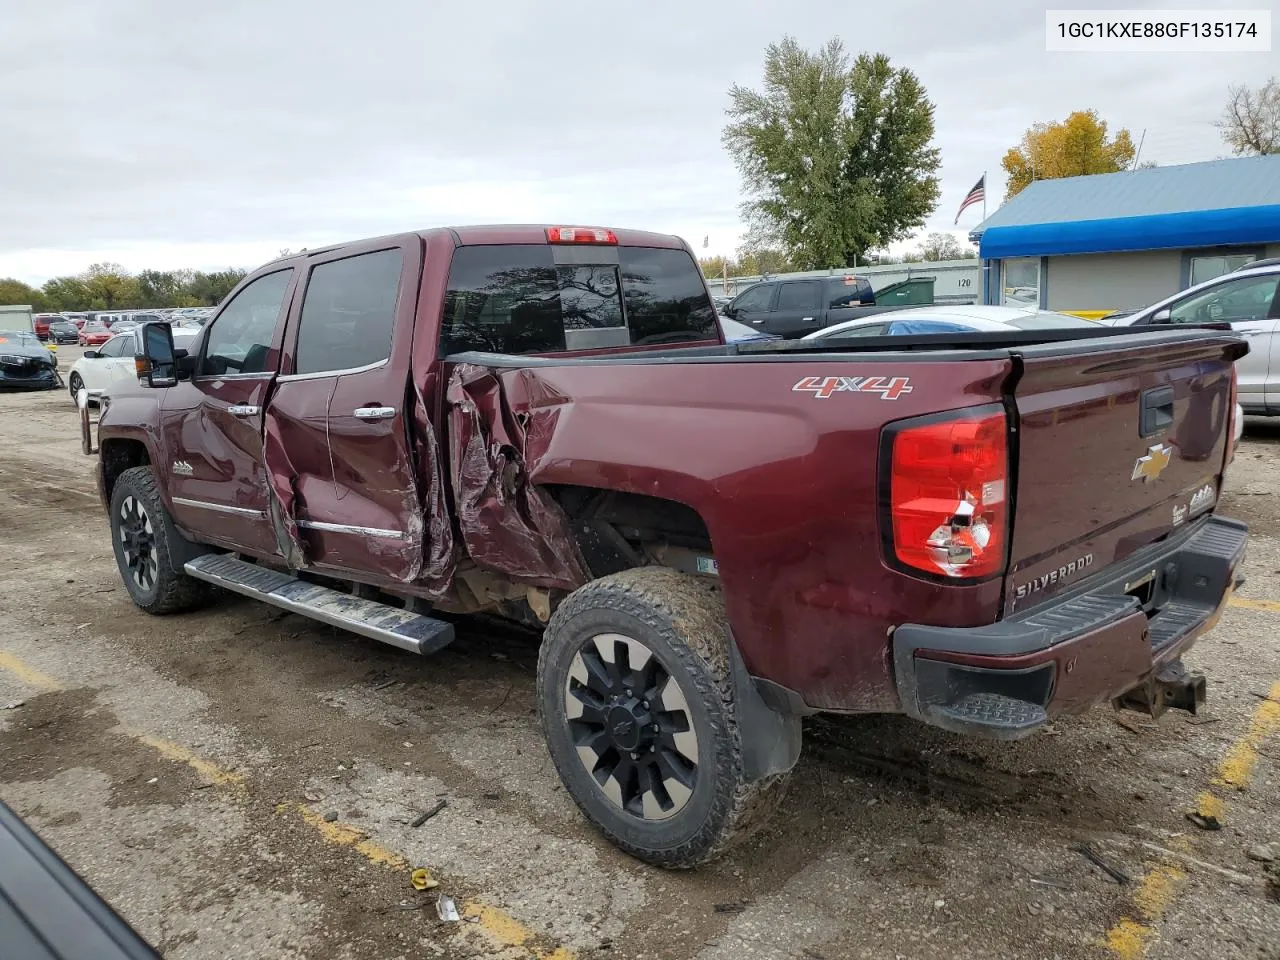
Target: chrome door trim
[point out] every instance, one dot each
(348, 528)
(218, 507)
(288, 377)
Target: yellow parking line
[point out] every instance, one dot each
(504, 930)
(28, 675)
(180, 754)
(1270, 606)
(1130, 938)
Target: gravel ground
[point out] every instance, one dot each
(240, 782)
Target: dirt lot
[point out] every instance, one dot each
(240, 782)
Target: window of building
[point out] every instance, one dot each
(1208, 267)
(1021, 282)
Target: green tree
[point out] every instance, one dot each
(111, 287)
(67, 293)
(837, 159)
(16, 293)
(1078, 146)
(944, 246)
(1250, 123)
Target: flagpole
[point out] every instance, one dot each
(984, 195)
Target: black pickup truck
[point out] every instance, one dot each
(792, 308)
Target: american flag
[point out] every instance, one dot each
(976, 195)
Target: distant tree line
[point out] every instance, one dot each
(109, 286)
(755, 262)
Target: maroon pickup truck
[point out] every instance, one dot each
(715, 540)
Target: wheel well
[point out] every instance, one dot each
(117, 457)
(618, 531)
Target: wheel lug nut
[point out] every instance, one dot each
(635, 756)
(655, 728)
(627, 691)
(645, 704)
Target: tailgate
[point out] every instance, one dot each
(1118, 444)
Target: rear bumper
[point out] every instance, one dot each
(1108, 635)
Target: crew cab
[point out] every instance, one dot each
(981, 530)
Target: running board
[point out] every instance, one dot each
(378, 621)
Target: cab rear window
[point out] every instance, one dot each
(535, 298)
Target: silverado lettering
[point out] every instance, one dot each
(545, 424)
(1063, 572)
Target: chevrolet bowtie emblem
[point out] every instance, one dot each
(1153, 463)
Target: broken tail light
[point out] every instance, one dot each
(948, 493)
(580, 235)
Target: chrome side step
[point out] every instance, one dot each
(378, 621)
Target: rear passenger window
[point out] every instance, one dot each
(848, 292)
(348, 313)
(516, 299)
(798, 296)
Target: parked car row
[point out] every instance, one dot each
(43, 323)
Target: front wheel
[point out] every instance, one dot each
(142, 535)
(75, 384)
(636, 699)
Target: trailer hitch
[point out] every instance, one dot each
(1173, 686)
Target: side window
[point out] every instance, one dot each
(114, 347)
(1248, 298)
(903, 327)
(799, 296)
(848, 292)
(239, 341)
(755, 299)
(348, 312)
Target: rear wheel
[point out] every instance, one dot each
(636, 700)
(142, 535)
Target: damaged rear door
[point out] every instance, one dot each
(338, 448)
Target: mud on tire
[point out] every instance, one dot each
(689, 813)
(141, 537)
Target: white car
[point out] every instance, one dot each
(965, 318)
(1249, 300)
(101, 368)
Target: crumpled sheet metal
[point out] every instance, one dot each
(282, 497)
(507, 524)
(440, 552)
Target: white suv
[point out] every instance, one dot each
(1249, 300)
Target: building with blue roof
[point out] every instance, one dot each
(1121, 241)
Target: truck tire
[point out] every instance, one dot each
(141, 536)
(636, 700)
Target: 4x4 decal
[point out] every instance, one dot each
(889, 388)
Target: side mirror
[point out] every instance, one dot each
(1162, 316)
(91, 355)
(156, 365)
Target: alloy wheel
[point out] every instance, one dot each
(631, 724)
(138, 543)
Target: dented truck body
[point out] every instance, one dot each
(463, 465)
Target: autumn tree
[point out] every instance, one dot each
(1075, 147)
(836, 158)
(1250, 123)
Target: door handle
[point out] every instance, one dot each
(375, 413)
(806, 319)
(244, 410)
(757, 321)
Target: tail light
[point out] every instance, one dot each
(948, 494)
(580, 235)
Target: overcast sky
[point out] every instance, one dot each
(171, 133)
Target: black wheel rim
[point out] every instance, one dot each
(138, 543)
(632, 727)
